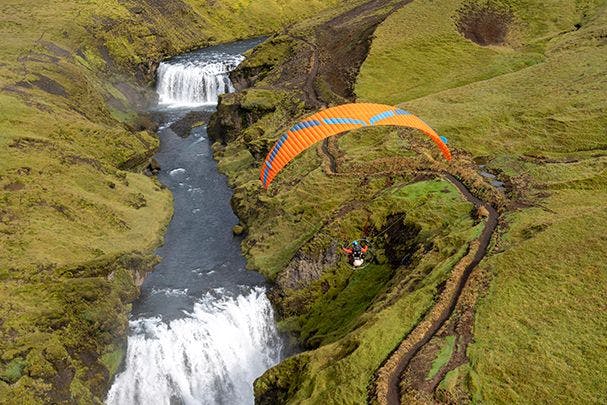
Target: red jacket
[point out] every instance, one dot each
(349, 250)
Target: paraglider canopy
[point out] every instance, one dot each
(333, 121)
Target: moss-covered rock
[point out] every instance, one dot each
(277, 384)
(242, 111)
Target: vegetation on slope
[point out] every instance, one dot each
(540, 330)
(78, 223)
(420, 229)
(352, 318)
(518, 87)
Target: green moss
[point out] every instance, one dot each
(112, 360)
(442, 357)
(38, 366)
(337, 310)
(456, 385)
(278, 384)
(264, 100)
(13, 370)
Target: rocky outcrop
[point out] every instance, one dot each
(184, 125)
(227, 123)
(305, 269)
(242, 115)
(279, 383)
(262, 61)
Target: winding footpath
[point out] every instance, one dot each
(386, 387)
(388, 377)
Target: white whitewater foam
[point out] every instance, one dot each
(174, 292)
(212, 356)
(177, 171)
(195, 83)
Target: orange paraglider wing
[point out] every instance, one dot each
(333, 121)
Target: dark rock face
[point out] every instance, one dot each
(50, 86)
(183, 126)
(304, 270)
(401, 240)
(153, 168)
(237, 112)
(227, 123)
(245, 77)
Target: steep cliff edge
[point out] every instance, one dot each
(515, 147)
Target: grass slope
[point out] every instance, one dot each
(540, 331)
(364, 314)
(350, 321)
(78, 223)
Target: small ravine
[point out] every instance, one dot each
(203, 329)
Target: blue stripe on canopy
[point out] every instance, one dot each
(279, 144)
(265, 176)
(337, 121)
(381, 116)
(304, 124)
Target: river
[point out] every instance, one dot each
(203, 328)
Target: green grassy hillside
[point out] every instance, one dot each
(518, 88)
(78, 222)
(532, 109)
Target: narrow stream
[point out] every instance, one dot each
(203, 329)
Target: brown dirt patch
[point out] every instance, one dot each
(50, 86)
(61, 382)
(30, 143)
(14, 186)
(80, 160)
(484, 24)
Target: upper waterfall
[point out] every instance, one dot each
(194, 83)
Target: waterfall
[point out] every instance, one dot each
(195, 83)
(211, 356)
(203, 329)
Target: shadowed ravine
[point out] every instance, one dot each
(203, 329)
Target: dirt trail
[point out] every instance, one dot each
(337, 50)
(388, 376)
(329, 155)
(339, 47)
(337, 67)
(326, 65)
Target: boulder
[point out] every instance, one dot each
(238, 230)
(153, 167)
